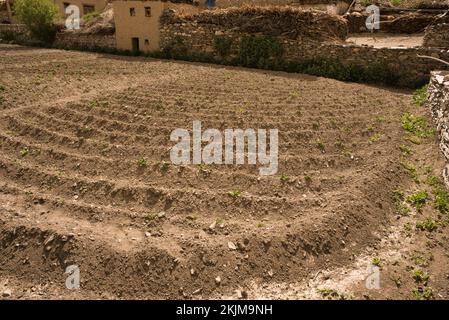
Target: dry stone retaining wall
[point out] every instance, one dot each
(437, 36)
(202, 37)
(66, 39)
(75, 40)
(438, 97)
(17, 31)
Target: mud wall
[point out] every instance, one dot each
(437, 36)
(438, 97)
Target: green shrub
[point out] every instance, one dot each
(91, 15)
(260, 52)
(333, 68)
(8, 36)
(38, 16)
(380, 73)
(176, 49)
(222, 45)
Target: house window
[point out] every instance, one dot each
(132, 12)
(147, 11)
(147, 42)
(87, 8)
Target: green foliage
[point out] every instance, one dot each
(24, 152)
(396, 2)
(328, 67)
(320, 145)
(89, 16)
(420, 275)
(222, 45)
(434, 181)
(405, 150)
(38, 16)
(441, 200)
(375, 137)
(164, 166)
(397, 195)
(376, 262)
(260, 52)
(152, 216)
(8, 36)
(235, 194)
(417, 126)
(333, 68)
(329, 293)
(176, 49)
(427, 224)
(420, 96)
(419, 260)
(284, 178)
(142, 163)
(398, 198)
(418, 199)
(412, 170)
(422, 294)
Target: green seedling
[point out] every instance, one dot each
(234, 194)
(142, 163)
(418, 199)
(427, 224)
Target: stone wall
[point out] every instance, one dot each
(397, 23)
(84, 41)
(67, 39)
(413, 71)
(438, 97)
(13, 31)
(437, 36)
(289, 22)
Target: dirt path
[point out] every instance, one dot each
(85, 177)
(381, 40)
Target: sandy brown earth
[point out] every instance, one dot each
(86, 179)
(387, 40)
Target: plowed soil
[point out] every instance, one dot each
(86, 178)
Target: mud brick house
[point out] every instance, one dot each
(85, 6)
(137, 21)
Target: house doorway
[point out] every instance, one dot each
(135, 44)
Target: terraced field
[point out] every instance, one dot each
(86, 178)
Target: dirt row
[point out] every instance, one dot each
(86, 178)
